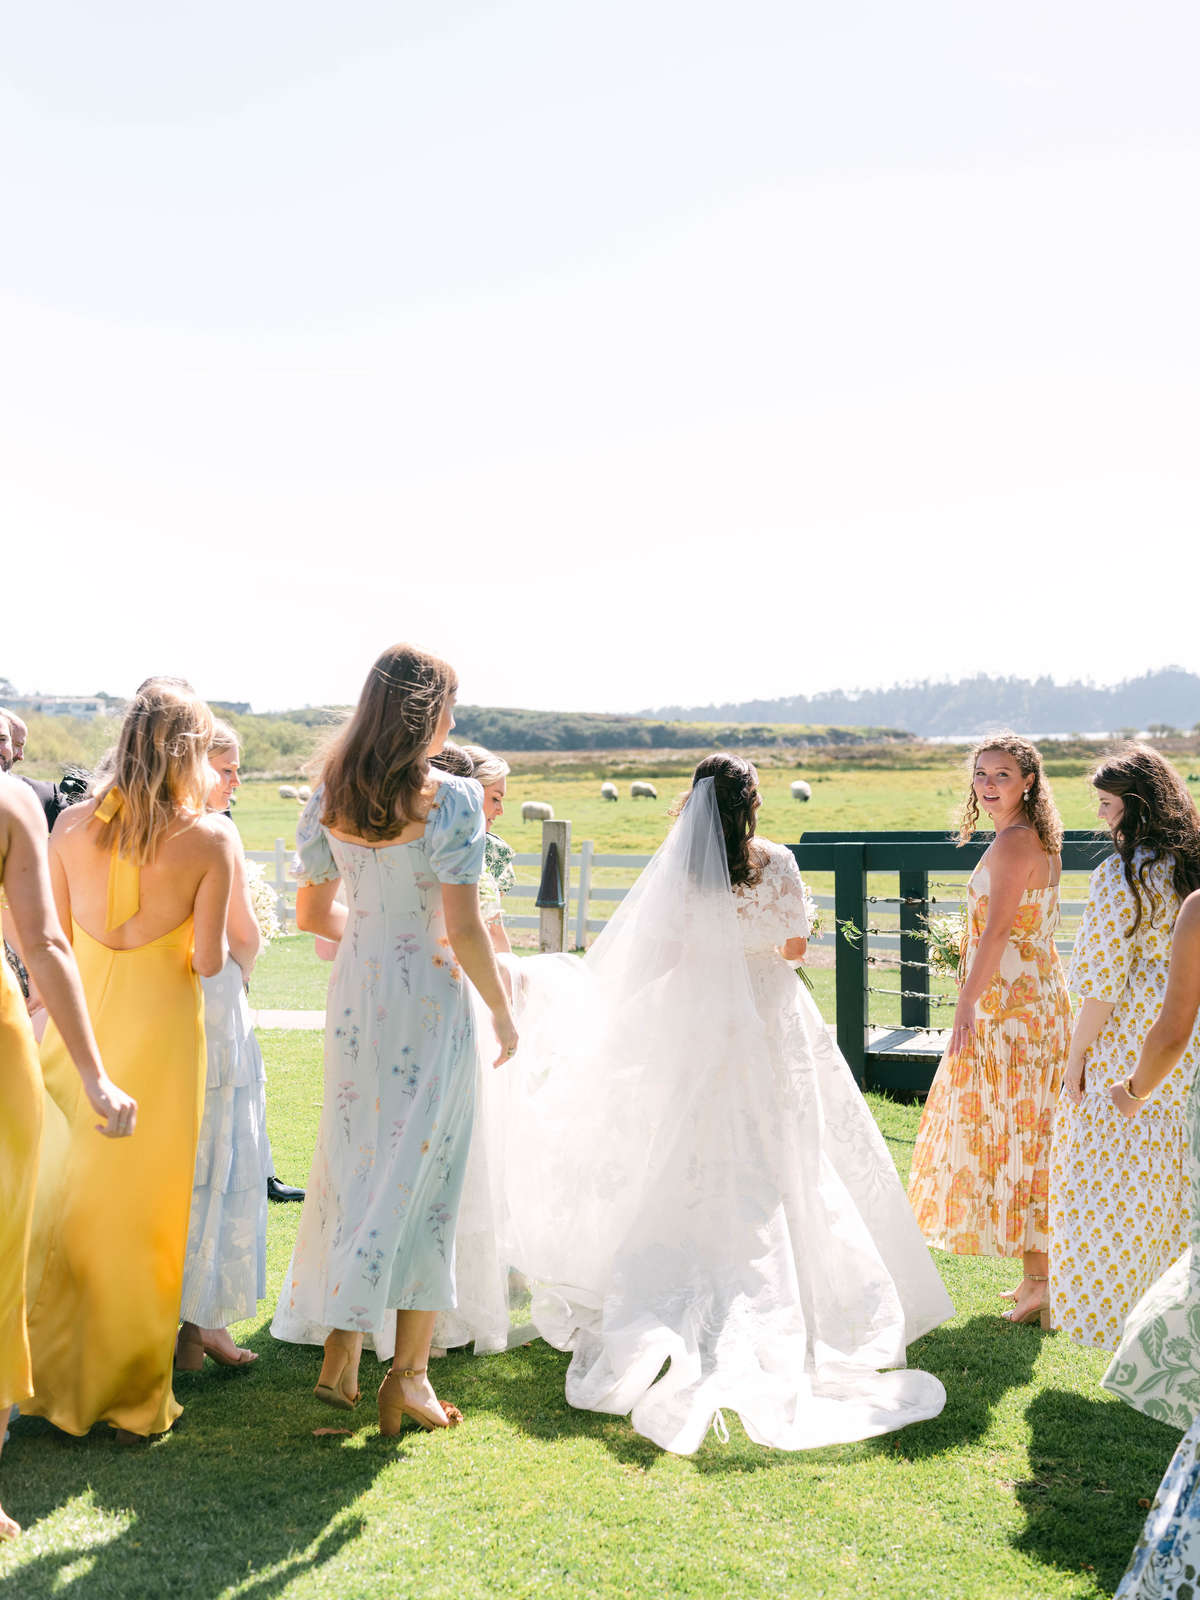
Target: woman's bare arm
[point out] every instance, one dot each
(48, 955)
(1089, 1025)
(319, 911)
(241, 927)
(210, 911)
(472, 946)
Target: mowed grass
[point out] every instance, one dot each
(1028, 1485)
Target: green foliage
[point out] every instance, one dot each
(508, 729)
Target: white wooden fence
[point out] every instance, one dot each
(582, 894)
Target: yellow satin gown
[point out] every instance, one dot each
(111, 1216)
(20, 1127)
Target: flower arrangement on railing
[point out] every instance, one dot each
(263, 901)
(946, 940)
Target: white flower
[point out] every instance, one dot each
(263, 901)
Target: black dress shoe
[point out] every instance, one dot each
(282, 1191)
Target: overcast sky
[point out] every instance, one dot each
(625, 354)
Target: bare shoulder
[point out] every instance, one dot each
(209, 838)
(1187, 923)
(1016, 846)
(19, 804)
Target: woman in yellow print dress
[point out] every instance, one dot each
(980, 1178)
(141, 878)
(1119, 1192)
(25, 877)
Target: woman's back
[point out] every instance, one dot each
(169, 889)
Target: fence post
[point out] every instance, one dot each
(552, 931)
(582, 893)
(281, 905)
(850, 957)
(914, 1011)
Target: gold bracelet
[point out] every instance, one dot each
(1128, 1088)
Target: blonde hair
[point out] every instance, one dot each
(223, 737)
(1040, 811)
(486, 768)
(160, 766)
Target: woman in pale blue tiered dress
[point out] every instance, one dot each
(377, 1231)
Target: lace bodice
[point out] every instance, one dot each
(774, 909)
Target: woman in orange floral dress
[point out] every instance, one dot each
(980, 1172)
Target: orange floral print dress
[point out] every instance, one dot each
(980, 1171)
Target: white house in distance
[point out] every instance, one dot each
(88, 706)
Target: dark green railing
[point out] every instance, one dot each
(901, 1059)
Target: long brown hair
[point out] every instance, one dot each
(1159, 820)
(376, 768)
(1040, 811)
(735, 788)
(160, 766)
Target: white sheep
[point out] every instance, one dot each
(608, 791)
(286, 792)
(643, 791)
(801, 790)
(536, 811)
(304, 792)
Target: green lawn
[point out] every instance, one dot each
(1028, 1484)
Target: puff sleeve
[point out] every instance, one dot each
(313, 861)
(1102, 956)
(457, 829)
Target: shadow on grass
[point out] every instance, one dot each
(1092, 1459)
(978, 1362)
(240, 1492)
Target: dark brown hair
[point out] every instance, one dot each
(1160, 820)
(735, 787)
(376, 769)
(1040, 811)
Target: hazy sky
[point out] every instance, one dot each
(625, 354)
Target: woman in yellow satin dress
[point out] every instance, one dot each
(142, 877)
(30, 918)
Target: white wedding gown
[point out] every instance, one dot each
(694, 1181)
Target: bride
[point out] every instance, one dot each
(692, 1179)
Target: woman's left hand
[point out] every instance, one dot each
(962, 1030)
(1124, 1101)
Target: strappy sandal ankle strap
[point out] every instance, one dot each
(407, 1372)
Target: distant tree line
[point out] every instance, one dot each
(1159, 702)
(509, 729)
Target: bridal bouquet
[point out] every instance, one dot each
(813, 912)
(946, 939)
(262, 899)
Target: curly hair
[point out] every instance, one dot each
(1040, 811)
(376, 769)
(735, 786)
(1159, 822)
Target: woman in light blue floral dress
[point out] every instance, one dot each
(375, 1250)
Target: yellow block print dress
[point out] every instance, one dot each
(980, 1176)
(111, 1217)
(20, 1127)
(1119, 1189)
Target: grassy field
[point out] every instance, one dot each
(1030, 1484)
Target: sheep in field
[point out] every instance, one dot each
(536, 811)
(304, 792)
(608, 791)
(286, 792)
(643, 791)
(801, 790)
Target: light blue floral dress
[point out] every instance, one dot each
(377, 1229)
